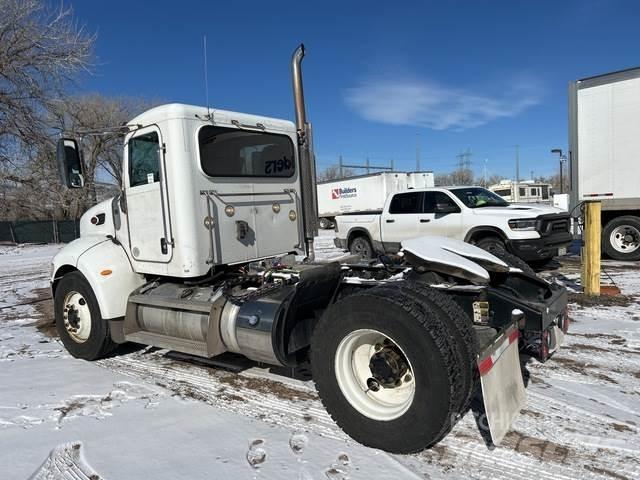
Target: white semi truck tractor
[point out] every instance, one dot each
(209, 249)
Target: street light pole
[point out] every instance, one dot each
(562, 159)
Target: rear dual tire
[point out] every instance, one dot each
(398, 413)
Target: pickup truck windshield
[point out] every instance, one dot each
(475, 197)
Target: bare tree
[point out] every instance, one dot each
(99, 116)
(333, 173)
(40, 51)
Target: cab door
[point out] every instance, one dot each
(441, 216)
(146, 196)
(400, 221)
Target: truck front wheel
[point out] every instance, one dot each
(490, 243)
(361, 246)
(386, 369)
(621, 238)
(78, 321)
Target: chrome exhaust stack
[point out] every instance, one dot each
(309, 194)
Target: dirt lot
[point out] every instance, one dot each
(582, 418)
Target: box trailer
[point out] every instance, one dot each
(364, 193)
(604, 148)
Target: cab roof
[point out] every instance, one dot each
(223, 117)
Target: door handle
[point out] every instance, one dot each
(425, 220)
(390, 221)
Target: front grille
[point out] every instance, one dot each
(555, 224)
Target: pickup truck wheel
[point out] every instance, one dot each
(621, 238)
(361, 246)
(490, 243)
(78, 321)
(386, 369)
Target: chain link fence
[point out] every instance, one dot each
(39, 231)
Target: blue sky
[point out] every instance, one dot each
(482, 75)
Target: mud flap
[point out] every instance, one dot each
(557, 339)
(502, 384)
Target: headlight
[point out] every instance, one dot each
(526, 225)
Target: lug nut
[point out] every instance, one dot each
(378, 347)
(407, 378)
(373, 384)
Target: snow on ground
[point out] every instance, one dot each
(147, 412)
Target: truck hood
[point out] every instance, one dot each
(518, 210)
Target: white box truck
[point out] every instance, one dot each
(604, 149)
(364, 193)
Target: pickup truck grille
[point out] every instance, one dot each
(554, 224)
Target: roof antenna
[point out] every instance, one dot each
(206, 78)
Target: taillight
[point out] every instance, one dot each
(565, 320)
(544, 346)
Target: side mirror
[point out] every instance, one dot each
(446, 208)
(69, 163)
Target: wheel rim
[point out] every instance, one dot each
(77, 317)
(625, 239)
(360, 248)
(374, 375)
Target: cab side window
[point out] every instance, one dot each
(433, 201)
(406, 203)
(144, 165)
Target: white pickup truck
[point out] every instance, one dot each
(473, 214)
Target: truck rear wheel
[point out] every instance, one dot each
(78, 321)
(361, 246)
(387, 370)
(621, 238)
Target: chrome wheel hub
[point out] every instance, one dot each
(77, 317)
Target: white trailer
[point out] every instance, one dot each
(364, 193)
(604, 147)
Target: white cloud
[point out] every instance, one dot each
(426, 104)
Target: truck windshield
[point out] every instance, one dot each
(229, 152)
(476, 197)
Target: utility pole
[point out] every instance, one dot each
(391, 164)
(340, 166)
(418, 152)
(484, 172)
(563, 159)
(517, 189)
(366, 165)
